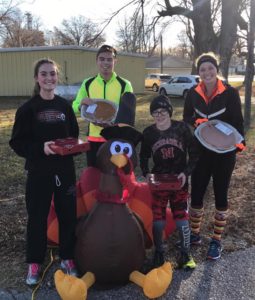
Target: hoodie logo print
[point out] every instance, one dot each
(51, 116)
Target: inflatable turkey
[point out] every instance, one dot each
(111, 238)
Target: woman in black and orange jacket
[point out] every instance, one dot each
(212, 99)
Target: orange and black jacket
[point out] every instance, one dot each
(224, 105)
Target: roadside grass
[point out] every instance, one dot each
(12, 174)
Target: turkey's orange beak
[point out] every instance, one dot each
(119, 160)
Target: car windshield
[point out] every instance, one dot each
(166, 77)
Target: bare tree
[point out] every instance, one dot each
(134, 35)
(185, 46)
(20, 30)
(7, 8)
(250, 66)
(207, 35)
(78, 31)
(214, 23)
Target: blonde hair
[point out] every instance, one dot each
(207, 57)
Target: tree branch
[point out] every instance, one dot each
(175, 10)
(108, 21)
(243, 25)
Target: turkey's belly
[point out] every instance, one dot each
(110, 243)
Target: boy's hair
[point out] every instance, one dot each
(161, 101)
(107, 48)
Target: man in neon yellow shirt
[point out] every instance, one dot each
(106, 85)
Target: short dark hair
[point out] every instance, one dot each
(107, 48)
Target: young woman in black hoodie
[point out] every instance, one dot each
(38, 122)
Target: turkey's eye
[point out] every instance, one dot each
(116, 148)
(127, 149)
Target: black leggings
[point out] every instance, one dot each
(220, 168)
(40, 188)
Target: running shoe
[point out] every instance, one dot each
(33, 275)
(68, 267)
(215, 249)
(186, 262)
(195, 239)
(158, 259)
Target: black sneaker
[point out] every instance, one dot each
(158, 259)
(186, 262)
(215, 249)
(195, 239)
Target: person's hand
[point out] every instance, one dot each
(182, 177)
(47, 149)
(200, 121)
(86, 101)
(240, 147)
(102, 124)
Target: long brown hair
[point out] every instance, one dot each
(38, 64)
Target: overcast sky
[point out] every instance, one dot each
(52, 12)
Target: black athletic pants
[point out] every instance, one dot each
(218, 166)
(40, 188)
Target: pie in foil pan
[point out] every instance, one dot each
(101, 111)
(218, 136)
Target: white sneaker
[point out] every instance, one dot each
(33, 275)
(68, 267)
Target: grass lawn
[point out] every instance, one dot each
(239, 233)
(11, 169)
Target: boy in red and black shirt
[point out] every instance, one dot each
(169, 143)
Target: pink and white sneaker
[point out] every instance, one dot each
(69, 267)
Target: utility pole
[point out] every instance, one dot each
(161, 55)
(249, 74)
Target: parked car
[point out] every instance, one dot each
(153, 81)
(178, 85)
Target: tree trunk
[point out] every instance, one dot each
(204, 37)
(249, 67)
(228, 35)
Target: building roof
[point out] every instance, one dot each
(62, 47)
(168, 62)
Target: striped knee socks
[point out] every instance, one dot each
(220, 220)
(196, 216)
